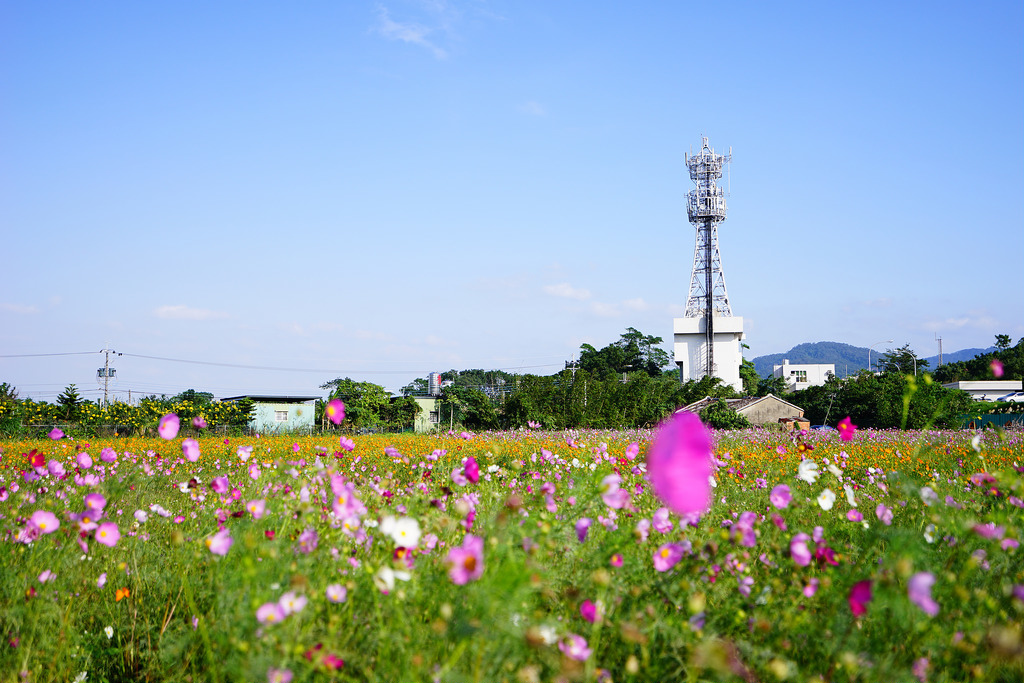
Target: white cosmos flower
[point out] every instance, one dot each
(836, 471)
(386, 576)
(808, 471)
(109, 630)
(976, 442)
(929, 533)
(849, 495)
(712, 481)
(405, 531)
(826, 499)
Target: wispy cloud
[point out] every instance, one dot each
(604, 310)
(567, 291)
(408, 32)
(18, 308)
(533, 108)
(182, 312)
(981, 320)
(637, 304)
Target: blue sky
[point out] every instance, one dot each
(383, 189)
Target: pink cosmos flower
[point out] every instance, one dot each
(574, 647)
(256, 508)
(919, 589)
(108, 534)
(798, 549)
(920, 669)
(679, 463)
(590, 611)
(611, 494)
(996, 366)
(616, 560)
(308, 540)
(279, 676)
(336, 593)
(47, 575)
(56, 434)
(293, 602)
(95, 501)
(846, 428)
(884, 514)
(270, 613)
(190, 448)
(811, 588)
(466, 562)
(346, 443)
(84, 460)
(198, 422)
(860, 596)
(854, 515)
(220, 484)
(102, 580)
(55, 468)
(220, 542)
(667, 556)
(335, 411)
(632, 450)
(661, 521)
(44, 521)
(108, 455)
(780, 496)
(472, 470)
(168, 427)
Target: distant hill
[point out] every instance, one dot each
(848, 359)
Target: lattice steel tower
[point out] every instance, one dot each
(705, 206)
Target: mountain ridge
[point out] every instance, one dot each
(848, 359)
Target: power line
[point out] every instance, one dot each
(39, 355)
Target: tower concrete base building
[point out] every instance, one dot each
(706, 340)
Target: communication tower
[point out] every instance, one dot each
(708, 312)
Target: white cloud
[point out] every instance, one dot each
(407, 32)
(567, 291)
(637, 304)
(980, 320)
(604, 310)
(182, 312)
(533, 108)
(18, 308)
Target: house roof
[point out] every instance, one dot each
(737, 404)
(272, 399)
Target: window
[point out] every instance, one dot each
(433, 417)
(801, 375)
(280, 416)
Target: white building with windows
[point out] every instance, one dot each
(991, 390)
(804, 375)
(690, 347)
(275, 414)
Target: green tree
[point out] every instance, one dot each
(720, 416)
(633, 352)
(771, 385)
(1003, 341)
(749, 377)
(903, 361)
(364, 401)
(70, 402)
(418, 387)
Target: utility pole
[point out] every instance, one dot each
(106, 372)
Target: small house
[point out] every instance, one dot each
(759, 410)
(280, 414)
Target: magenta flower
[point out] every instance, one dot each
(108, 534)
(661, 521)
(780, 496)
(611, 493)
(56, 434)
(854, 515)
(860, 596)
(308, 541)
(919, 588)
(667, 556)
(590, 611)
(84, 460)
(270, 613)
(168, 427)
(220, 542)
(632, 450)
(335, 411)
(95, 501)
(679, 463)
(292, 602)
(798, 549)
(220, 484)
(336, 593)
(466, 562)
(616, 560)
(846, 428)
(108, 455)
(582, 527)
(472, 470)
(190, 448)
(811, 588)
(198, 422)
(346, 443)
(47, 575)
(45, 521)
(574, 647)
(996, 366)
(102, 580)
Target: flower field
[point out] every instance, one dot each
(514, 556)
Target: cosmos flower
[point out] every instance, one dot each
(582, 527)
(190, 448)
(270, 613)
(996, 366)
(780, 496)
(168, 427)
(404, 531)
(846, 428)
(335, 411)
(667, 556)
(807, 471)
(798, 549)
(336, 593)
(108, 534)
(679, 463)
(44, 521)
(919, 589)
(256, 508)
(826, 499)
(574, 647)
(860, 596)
(220, 542)
(466, 562)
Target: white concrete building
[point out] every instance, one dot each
(991, 390)
(690, 348)
(802, 375)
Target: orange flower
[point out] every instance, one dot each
(121, 593)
